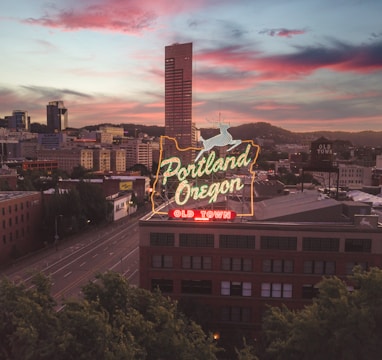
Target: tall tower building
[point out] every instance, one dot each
(178, 99)
(56, 116)
(19, 121)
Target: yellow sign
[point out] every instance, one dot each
(125, 185)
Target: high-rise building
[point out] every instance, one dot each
(19, 121)
(56, 116)
(178, 98)
(138, 152)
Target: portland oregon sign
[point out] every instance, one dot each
(217, 185)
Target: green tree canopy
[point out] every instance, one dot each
(342, 323)
(113, 321)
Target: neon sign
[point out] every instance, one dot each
(215, 175)
(209, 166)
(201, 214)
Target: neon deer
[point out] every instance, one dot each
(222, 139)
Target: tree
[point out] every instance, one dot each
(339, 324)
(27, 321)
(247, 352)
(95, 207)
(79, 172)
(155, 323)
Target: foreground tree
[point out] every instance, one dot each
(113, 321)
(339, 325)
(159, 329)
(28, 322)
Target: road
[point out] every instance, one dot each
(76, 261)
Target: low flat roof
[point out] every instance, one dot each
(9, 195)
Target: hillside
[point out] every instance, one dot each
(252, 131)
(282, 136)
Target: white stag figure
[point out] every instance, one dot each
(222, 139)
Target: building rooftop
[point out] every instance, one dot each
(10, 195)
(357, 195)
(309, 205)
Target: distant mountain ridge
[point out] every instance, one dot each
(282, 136)
(252, 131)
(277, 134)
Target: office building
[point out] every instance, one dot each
(234, 269)
(68, 159)
(118, 160)
(19, 121)
(56, 116)
(102, 159)
(178, 99)
(215, 247)
(20, 214)
(52, 140)
(138, 152)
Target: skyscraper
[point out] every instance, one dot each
(19, 121)
(178, 98)
(56, 116)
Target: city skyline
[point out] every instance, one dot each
(301, 65)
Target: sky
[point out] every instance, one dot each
(302, 65)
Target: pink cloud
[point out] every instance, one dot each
(303, 62)
(271, 105)
(131, 16)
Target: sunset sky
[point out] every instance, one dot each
(302, 65)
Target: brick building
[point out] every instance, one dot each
(20, 224)
(233, 269)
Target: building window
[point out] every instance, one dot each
(196, 240)
(235, 314)
(319, 267)
(309, 291)
(237, 241)
(162, 239)
(164, 285)
(278, 266)
(358, 245)
(236, 264)
(4, 239)
(320, 244)
(278, 242)
(351, 265)
(197, 262)
(276, 290)
(236, 288)
(196, 286)
(161, 261)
